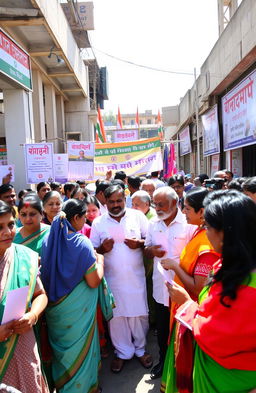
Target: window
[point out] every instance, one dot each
(132, 122)
(148, 121)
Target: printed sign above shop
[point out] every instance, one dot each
(239, 114)
(211, 132)
(185, 143)
(14, 61)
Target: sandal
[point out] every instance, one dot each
(146, 360)
(117, 365)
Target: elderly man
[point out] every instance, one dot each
(119, 235)
(167, 236)
(149, 186)
(141, 201)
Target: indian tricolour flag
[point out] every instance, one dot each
(160, 127)
(14, 62)
(100, 130)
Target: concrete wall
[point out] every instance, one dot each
(77, 117)
(55, 17)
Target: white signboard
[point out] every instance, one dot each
(80, 160)
(239, 114)
(211, 132)
(185, 143)
(61, 167)
(39, 162)
(125, 135)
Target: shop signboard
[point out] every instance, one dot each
(211, 139)
(185, 143)
(239, 115)
(14, 61)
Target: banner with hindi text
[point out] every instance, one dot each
(80, 160)
(134, 158)
(239, 114)
(39, 162)
(211, 136)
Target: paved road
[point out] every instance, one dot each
(133, 378)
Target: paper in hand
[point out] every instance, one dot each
(15, 306)
(161, 239)
(165, 273)
(117, 234)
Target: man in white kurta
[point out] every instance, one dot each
(119, 235)
(168, 234)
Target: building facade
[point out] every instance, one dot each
(54, 106)
(224, 98)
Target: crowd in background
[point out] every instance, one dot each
(107, 261)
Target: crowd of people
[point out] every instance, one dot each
(107, 261)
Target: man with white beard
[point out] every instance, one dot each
(119, 235)
(168, 234)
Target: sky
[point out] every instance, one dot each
(173, 35)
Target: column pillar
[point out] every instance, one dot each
(38, 107)
(19, 129)
(60, 123)
(51, 116)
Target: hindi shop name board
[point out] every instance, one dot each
(239, 114)
(185, 143)
(125, 135)
(14, 61)
(134, 158)
(80, 160)
(39, 162)
(211, 136)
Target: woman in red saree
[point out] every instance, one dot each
(224, 326)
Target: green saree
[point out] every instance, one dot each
(73, 335)
(22, 272)
(34, 241)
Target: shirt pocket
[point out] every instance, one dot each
(179, 242)
(132, 232)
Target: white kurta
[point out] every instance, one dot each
(177, 234)
(124, 269)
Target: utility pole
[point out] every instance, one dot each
(197, 124)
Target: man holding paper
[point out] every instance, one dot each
(119, 235)
(167, 235)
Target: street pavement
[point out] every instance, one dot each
(133, 378)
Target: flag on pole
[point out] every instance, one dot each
(137, 120)
(100, 130)
(119, 120)
(160, 127)
(172, 170)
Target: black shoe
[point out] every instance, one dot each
(157, 371)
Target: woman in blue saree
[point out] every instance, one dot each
(71, 273)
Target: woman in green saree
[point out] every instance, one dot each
(71, 273)
(19, 357)
(224, 325)
(33, 231)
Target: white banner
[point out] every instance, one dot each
(239, 114)
(211, 132)
(61, 167)
(185, 143)
(80, 160)
(39, 162)
(237, 162)
(125, 135)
